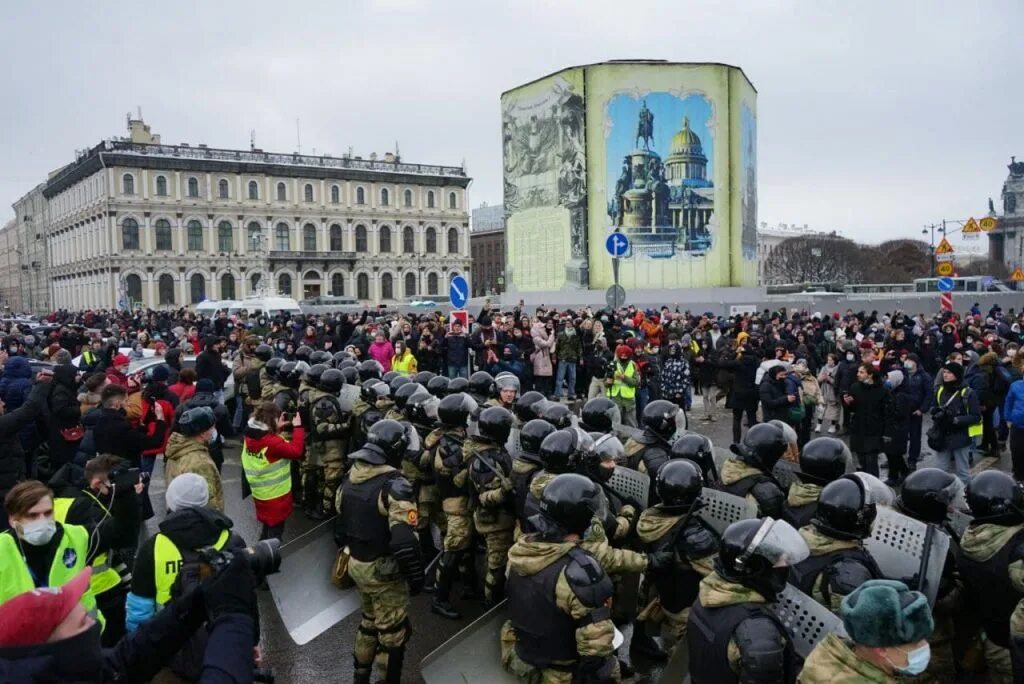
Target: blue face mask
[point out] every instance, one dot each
(917, 661)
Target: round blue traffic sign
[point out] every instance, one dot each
(617, 244)
(458, 291)
(945, 284)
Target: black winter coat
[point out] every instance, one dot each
(113, 434)
(12, 457)
(64, 412)
(774, 399)
(210, 366)
(872, 417)
(745, 393)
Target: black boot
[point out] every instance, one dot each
(446, 569)
(395, 658)
(644, 644)
(313, 497)
(467, 567)
(497, 590)
(361, 673)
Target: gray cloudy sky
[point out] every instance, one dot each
(874, 117)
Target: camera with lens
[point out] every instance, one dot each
(264, 557)
(124, 478)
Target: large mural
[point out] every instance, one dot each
(748, 184)
(660, 171)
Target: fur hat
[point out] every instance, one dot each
(885, 613)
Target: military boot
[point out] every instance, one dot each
(361, 673)
(395, 658)
(312, 496)
(446, 569)
(496, 591)
(467, 567)
(644, 644)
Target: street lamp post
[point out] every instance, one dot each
(930, 230)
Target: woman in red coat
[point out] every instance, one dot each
(263, 450)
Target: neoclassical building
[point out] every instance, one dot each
(135, 221)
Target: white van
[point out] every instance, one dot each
(266, 305)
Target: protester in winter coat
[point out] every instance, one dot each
(871, 424)
(902, 407)
(381, 350)
(1013, 413)
(920, 390)
(776, 399)
(828, 407)
(543, 370)
(13, 465)
(510, 363)
(956, 418)
(262, 437)
(63, 416)
(675, 377)
(14, 390)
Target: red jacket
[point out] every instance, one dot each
(275, 511)
(184, 392)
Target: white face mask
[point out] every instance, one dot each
(38, 532)
(213, 437)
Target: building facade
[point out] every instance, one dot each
(768, 240)
(488, 217)
(488, 250)
(31, 215)
(133, 222)
(10, 268)
(1006, 242)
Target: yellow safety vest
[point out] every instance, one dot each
(404, 364)
(167, 561)
(973, 430)
(620, 388)
(104, 577)
(266, 480)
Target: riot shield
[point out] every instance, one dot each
(786, 473)
(625, 432)
(721, 455)
(347, 397)
(631, 485)
(305, 598)
(472, 655)
(721, 509)
(806, 620)
(904, 547)
(958, 521)
(512, 444)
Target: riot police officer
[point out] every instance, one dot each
(375, 400)
(823, 460)
(253, 380)
(838, 563)
(400, 397)
(505, 391)
(421, 410)
(286, 397)
(558, 454)
(312, 461)
(481, 384)
(438, 386)
(697, 448)
(370, 368)
(731, 635)
(524, 406)
(559, 415)
(559, 629)
(650, 449)
(269, 384)
(749, 474)
(600, 414)
(385, 562)
(329, 435)
(527, 464)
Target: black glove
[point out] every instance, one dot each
(660, 560)
(406, 550)
(231, 590)
(594, 669)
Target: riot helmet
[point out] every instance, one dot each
(758, 554)
(404, 392)
(480, 384)
(823, 460)
(663, 418)
(846, 509)
(319, 356)
(312, 376)
(438, 386)
(598, 463)
(495, 423)
(351, 375)
(532, 434)
(600, 414)
(367, 392)
(303, 353)
(389, 376)
(348, 363)
(762, 446)
(928, 495)
(696, 448)
(560, 451)
(506, 382)
(559, 415)
(287, 376)
(422, 409)
(273, 367)
(679, 484)
(524, 403)
(387, 440)
(331, 380)
(455, 409)
(570, 502)
(458, 386)
(339, 357)
(424, 377)
(397, 381)
(995, 497)
(370, 368)
(264, 352)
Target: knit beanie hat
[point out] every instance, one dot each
(188, 490)
(885, 613)
(955, 368)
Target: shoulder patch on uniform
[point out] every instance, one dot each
(412, 517)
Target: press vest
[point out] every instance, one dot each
(104, 577)
(989, 582)
(973, 430)
(403, 364)
(544, 634)
(167, 562)
(266, 480)
(366, 531)
(68, 560)
(620, 388)
(708, 635)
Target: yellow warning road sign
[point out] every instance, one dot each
(988, 223)
(944, 247)
(1018, 275)
(971, 227)
(944, 268)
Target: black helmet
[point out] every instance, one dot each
(523, 404)
(264, 352)
(600, 414)
(319, 356)
(679, 484)
(422, 409)
(424, 377)
(995, 497)
(397, 381)
(370, 368)
(273, 367)
(762, 447)
(338, 357)
(331, 380)
(438, 386)
(823, 460)
(390, 375)
(758, 552)
(532, 434)
(348, 363)
(570, 502)
(455, 409)
(480, 384)
(598, 463)
(697, 448)
(559, 452)
(495, 423)
(366, 391)
(927, 494)
(351, 375)
(389, 438)
(404, 392)
(504, 381)
(662, 418)
(845, 509)
(291, 373)
(314, 373)
(458, 385)
(559, 415)
(303, 353)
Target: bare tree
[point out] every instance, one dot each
(985, 267)
(896, 261)
(819, 259)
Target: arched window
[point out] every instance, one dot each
(432, 284)
(130, 234)
(197, 288)
(254, 281)
(133, 288)
(453, 202)
(385, 239)
(165, 288)
(338, 285)
(335, 194)
(408, 198)
(385, 197)
(360, 238)
(193, 187)
(282, 238)
(410, 284)
(453, 241)
(284, 285)
(362, 286)
(430, 199)
(163, 235)
(309, 237)
(254, 190)
(161, 186)
(311, 284)
(408, 240)
(431, 240)
(387, 286)
(360, 196)
(227, 286)
(307, 193)
(195, 236)
(222, 189)
(335, 237)
(128, 184)
(255, 236)
(225, 237)
(282, 192)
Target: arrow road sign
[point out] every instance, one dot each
(458, 291)
(945, 284)
(617, 244)
(615, 296)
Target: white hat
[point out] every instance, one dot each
(188, 490)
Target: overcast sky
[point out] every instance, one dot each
(874, 117)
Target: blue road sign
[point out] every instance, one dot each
(945, 284)
(458, 291)
(617, 244)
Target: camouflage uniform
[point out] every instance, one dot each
(801, 503)
(833, 661)
(453, 487)
(421, 474)
(247, 367)
(827, 589)
(594, 632)
(327, 443)
(492, 506)
(268, 386)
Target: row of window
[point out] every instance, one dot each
(282, 237)
(224, 192)
(197, 286)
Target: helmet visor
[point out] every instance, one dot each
(506, 381)
(875, 491)
(609, 448)
(415, 445)
(779, 543)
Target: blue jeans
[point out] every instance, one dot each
(458, 372)
(643, 395)
(956, 461)
(565, 367)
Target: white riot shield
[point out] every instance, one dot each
(472, 655)
(305, 598)
(786, 473)
(721, 455)
(958, 521)
(903, 547)
(512, 445)
(625, 432)
(347, 397)
(722, 509)
(631, 485)
(806, 620)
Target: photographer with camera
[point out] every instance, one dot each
(104, 499)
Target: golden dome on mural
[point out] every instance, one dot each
(685, 139)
